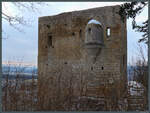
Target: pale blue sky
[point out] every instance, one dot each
(25, 45)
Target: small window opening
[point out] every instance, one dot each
(50, 40)
(108, 31)
(48, 26)
(89, 29)
(73, 33)
(91, 68)
(80, 32)
(66, 63)
(102, 68)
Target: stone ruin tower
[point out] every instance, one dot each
(91, 43)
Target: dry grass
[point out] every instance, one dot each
(61, 96)
(18, 94)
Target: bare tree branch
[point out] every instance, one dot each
(131, 10)
(16, 21)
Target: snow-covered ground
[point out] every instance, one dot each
(135, 88)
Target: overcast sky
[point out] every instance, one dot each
(24, 46)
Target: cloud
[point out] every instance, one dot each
(8, 8)
(141, 19)
(143, 16)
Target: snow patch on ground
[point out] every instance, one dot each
(135, 88)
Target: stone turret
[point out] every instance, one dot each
(94, 41)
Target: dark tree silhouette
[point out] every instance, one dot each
(131, 10)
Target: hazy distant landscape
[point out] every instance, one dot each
(29, 71)
(25, 72)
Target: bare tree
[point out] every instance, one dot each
(18, 20)
(140, 65)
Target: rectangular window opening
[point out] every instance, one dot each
(50, 41)
(108, 32)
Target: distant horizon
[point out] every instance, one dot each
(29, 64)
(19, 63)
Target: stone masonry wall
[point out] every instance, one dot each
(61, 47)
